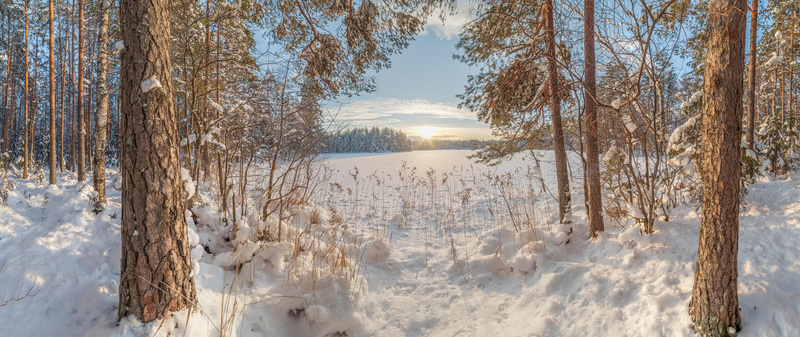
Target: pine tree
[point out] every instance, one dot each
(714, 308)
(156, 270)
(101, 112)
(594, 200)
(751, 112)
(53, 167)
(81, 132)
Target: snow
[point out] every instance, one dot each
(150, 84)
(696, 96)
(774, 60)
(617, 103)
(188, 184)
(218, 108)
(428, 260)
(629, 124)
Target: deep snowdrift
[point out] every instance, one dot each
(430, 262)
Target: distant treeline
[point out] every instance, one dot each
(368, 140)
(450, 144)
(390, 140)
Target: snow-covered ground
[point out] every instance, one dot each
(434, 246)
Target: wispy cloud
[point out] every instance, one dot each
(409, 115)
(382, 108)
(453, 24)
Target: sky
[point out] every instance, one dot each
(419, 91)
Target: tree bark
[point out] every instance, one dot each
(101, 112)
(714, 308)
(53, 154)
(64, 39)
(751, 116)
(791, 72)
(564, 207)
(156, 269)
(595, 201)
(81, 126)
(25, 128)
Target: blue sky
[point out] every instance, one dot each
(419, 89)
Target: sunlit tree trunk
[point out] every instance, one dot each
(751, 116)
(101, 112)
(64, 40)
(53, 139)
(81, 125)
(595, 201)
(714, 308)
(564, 204)
(156, 269)
(25, 124)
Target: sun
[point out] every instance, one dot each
(427, 132)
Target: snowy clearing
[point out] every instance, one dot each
(439, 256)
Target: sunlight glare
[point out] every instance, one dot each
(426, 132)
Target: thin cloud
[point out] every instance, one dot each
(408, 115)
(452, 25)
(383, 108)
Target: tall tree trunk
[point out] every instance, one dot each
(714, 308)
(53, 167)
(751, 115)
(156, 269)
(64, 39)
(101, 112)
(564, 207)
(791, 70)
(35, 100)
(25, 125)
(595, 201)
(81, 125)
(9, 99)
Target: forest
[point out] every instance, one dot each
(178, 168)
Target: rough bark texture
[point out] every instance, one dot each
(156, 269)
(594, 201)
(751, 116)
(714, 308)
(101, 112)
(81, 126)
(564, 208)
(53, 153)
(25, 125)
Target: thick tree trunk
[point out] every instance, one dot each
(594, 201)
(101, 112)
(156, 269)
(53, 167)
(751, 115)
(714, 308)
(81, 126)
(564, 207)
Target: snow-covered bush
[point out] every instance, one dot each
(779, 144)
(685, 153)
(615, 183)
